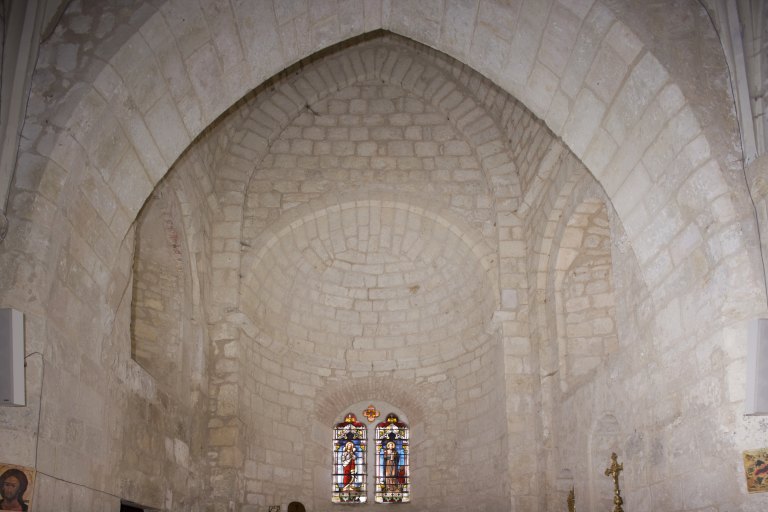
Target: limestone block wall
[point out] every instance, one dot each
(576, 334)
(607, 415)
(333, 218)
(350, 332)
(584, 294)
(106, 429)
(661, 432)
(120, 92)
(158, 306)
(363, 213)
(457, 420)
(374, 136)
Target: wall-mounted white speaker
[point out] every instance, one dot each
(757, 367)
(12, 357)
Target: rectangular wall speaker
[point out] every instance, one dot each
(757, 367)
(12, 357)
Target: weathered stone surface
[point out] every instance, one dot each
(379, 222)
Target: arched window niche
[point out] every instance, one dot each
(350, 466)
(393, 455)
(371, 455)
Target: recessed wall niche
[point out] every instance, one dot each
(161, 306)
(584, 294)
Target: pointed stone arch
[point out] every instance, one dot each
(140, 96)
(621, 142)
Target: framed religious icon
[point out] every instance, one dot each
(756, 470)
(16, 486)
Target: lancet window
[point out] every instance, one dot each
(393, 483)
(349, 457)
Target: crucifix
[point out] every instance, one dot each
(613, 471)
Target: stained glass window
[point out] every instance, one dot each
(349, 467)
(393, 482)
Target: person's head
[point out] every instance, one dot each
(391, 445)
(296, 506)
(349, 447)
(13, 485)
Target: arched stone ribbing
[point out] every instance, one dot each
(368, 269)
(120, 94)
